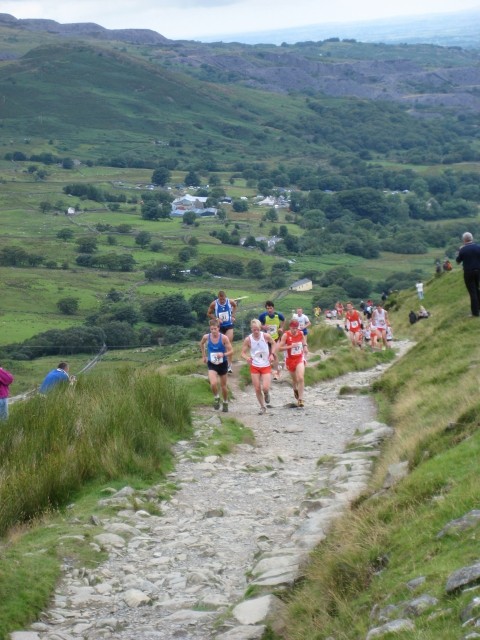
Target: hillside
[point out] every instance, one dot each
(399, 552)
(405, 556)
(418, 75)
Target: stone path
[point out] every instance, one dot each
(246, 520)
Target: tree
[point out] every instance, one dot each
(86, 245)
(200, 302)
(45, 206)
(255, 269)
(68, 306)
(240, 206)
(357, 287)
(271, 215)
(114, 295)
(189, 218)
(65, 234)
(67, 163)
(192, 179)
(143, 239)
(171, 309)
(160, 176)
(118, 334)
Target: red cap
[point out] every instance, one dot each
(294, 323)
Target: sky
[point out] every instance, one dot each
(197, 19)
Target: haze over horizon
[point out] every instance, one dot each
(222, 19)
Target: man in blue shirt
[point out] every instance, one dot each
(469, 254)
(223, 309)
(55, 377)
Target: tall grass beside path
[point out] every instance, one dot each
(108, 426)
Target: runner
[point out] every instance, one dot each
(295, 344)
(379, 322)
(339, 308)
(259, 350)
(353, 325)
(216, 348)
(272, 323)
(317, 311)
(224, 309)
(303, 321)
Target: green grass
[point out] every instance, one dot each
(433, 386)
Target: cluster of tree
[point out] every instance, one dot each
(156, 205)
(56, 342)
(110, 261)
(91, 192)
(389, 128)
(119, 323)
(44, 158)
(12, 256)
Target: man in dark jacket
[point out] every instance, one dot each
(469, 254)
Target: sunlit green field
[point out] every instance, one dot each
(30, 295)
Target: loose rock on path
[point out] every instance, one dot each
(245, 520)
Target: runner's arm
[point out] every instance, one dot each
(211, 311)
(203, 343)
(245, 349)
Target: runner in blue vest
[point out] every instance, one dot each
(216, 348)
(224, 309)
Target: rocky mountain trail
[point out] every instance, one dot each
(238, 525)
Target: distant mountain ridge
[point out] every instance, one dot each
(426, 78)
(82, 29)
(460, 28)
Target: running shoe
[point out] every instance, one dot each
(225, 407)
(230, 370)
(295, 393)
(267, 397)
(262, 411)
(300, 404)
(216, 403)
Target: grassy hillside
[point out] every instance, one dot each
(389, 538)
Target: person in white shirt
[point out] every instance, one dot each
(259, 349)
(419, 287)
(303, 321)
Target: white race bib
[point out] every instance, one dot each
(353, 324)
(297, 349)
(271, 329)
(223, 316)
(216, 358)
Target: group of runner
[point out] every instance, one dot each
(260, 350)
(373, 329)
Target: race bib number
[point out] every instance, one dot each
(223, 316)
(271, 329)
(297, 349)
(259, 355)
(216, 358)
(353, 324)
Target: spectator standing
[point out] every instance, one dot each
(419, 287)
(469, 255)
(6, 380)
